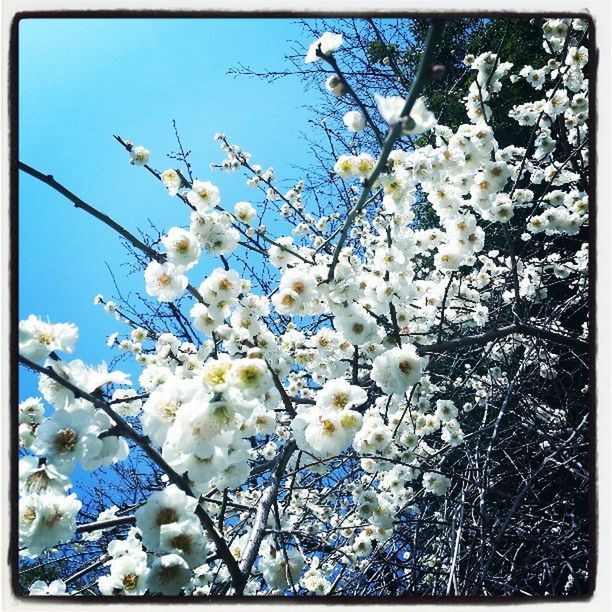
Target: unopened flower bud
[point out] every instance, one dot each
(438, 71)
(335, 86)
(355, 121)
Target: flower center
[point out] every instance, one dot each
(405, 367)
(182, 542)
(168, 574)
(166, 516)
(298, 286)
(170, 409)
(287, 300)
(29, 515)
(53, 519)
(38, 481)
(44, 337)
(129, 582)
(216, 376)
(65, 440)
(250, 375)
(348, 420)
(328, 426)
(340, 400)
(182, 246)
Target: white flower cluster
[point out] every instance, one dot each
(279, 571)
(46, 519)
(398, 369)
(54, 588)
(209, 229)
(328, 428)
(128, 568)
(200, 421)
(69, 436)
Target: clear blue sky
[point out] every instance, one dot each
(83, 80)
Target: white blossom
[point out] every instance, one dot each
(325, 45)
(38, 339)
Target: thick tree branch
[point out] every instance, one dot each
(495, 334)
(268, 497)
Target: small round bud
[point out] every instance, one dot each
(355, 121)
(335, 86)
(438, 71)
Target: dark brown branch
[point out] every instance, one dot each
(94, 212)
(421, 78)
(502, 332)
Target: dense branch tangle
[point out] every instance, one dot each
(402, 409)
